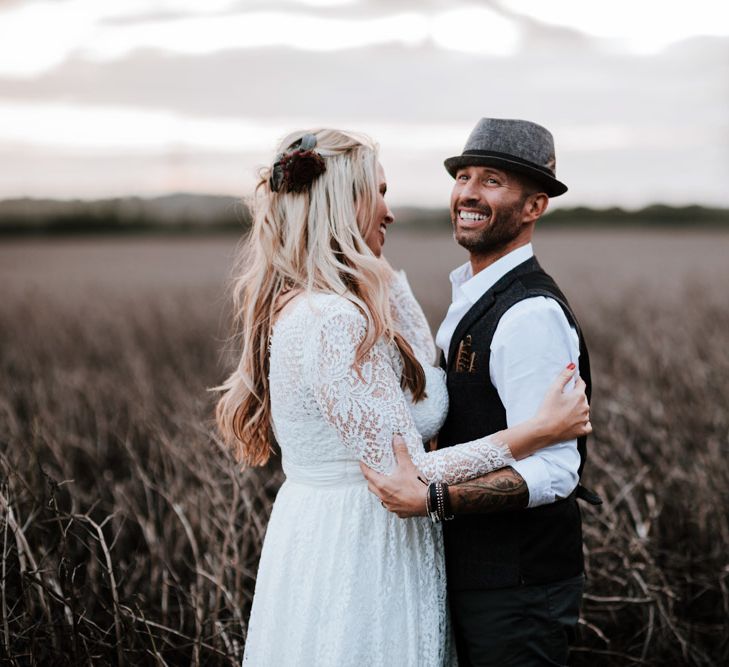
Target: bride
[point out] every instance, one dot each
(336, 359)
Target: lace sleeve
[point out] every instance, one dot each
(367, 407)
(410, 319)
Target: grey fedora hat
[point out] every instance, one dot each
(512, 145)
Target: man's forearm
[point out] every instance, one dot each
(498, 491)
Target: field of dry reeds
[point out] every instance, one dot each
(129, 536)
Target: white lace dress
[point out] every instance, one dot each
(342, 581)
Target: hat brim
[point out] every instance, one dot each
(552, 187)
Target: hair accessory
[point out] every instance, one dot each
(298, 168)
(307, 142)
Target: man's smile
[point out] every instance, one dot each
(472, 218)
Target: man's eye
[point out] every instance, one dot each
(492, 181)
(462, 177)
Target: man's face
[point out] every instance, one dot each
(487, 208)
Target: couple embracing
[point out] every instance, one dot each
(381, 550)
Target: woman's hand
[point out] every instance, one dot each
(565, 413)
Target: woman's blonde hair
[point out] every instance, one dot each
(312, 241)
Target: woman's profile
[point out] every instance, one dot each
(336, 358)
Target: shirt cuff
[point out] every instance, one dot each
(534, 472)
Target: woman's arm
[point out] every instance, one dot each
(367, 408)
(560, 417)
(410, 319)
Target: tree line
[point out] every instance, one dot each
(187, 213)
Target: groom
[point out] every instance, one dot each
(514, 546)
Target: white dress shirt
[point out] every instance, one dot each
(532, 344)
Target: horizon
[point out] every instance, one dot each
(433, 207)
(183, 213)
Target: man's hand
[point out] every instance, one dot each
(402, 492)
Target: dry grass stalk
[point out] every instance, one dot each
(130, 536)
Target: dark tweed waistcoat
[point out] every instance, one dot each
(510, 548)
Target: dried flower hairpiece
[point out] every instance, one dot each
(296, 171)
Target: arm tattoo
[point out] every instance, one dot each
(500, 490)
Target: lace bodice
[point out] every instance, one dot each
(327, 409)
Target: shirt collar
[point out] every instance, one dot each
(474, 287)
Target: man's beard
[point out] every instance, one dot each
(502, 230)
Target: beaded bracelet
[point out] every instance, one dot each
(447, 507)
(438, 502)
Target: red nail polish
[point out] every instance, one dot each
(570, 366)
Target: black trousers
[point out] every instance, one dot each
(524, 626)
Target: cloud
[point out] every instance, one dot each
(622, 121)
(644, 28)
(36, 37)
(684, 85)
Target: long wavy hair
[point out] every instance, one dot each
(310, 241)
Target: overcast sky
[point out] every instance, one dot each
(116, 97)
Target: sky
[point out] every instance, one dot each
(147, 97)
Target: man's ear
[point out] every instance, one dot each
(535, 206)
